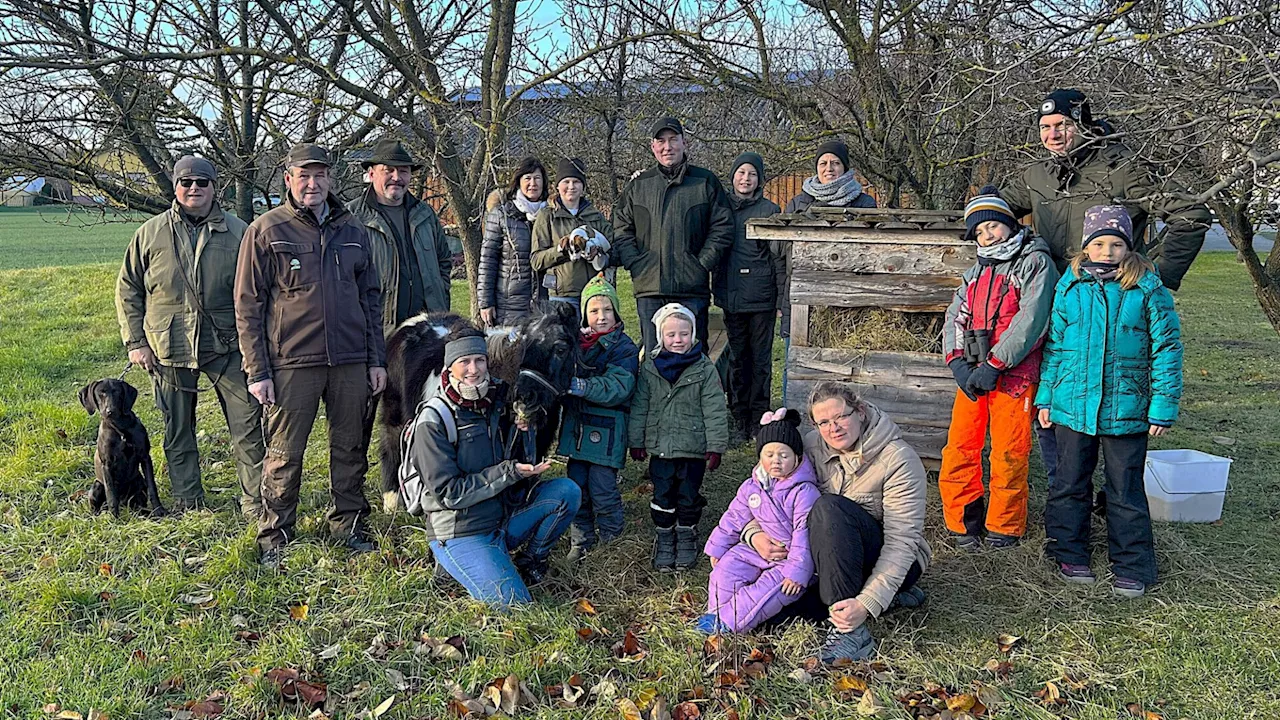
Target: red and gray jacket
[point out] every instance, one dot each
(1012, 300)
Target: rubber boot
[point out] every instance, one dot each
(664, 550)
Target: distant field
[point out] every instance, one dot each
(53, 235)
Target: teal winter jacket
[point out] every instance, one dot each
(1113, 362)
(595, 413)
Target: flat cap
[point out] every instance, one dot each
(307, 154)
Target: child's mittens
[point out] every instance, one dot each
(639, 454)
(578, 387)
(961, 371)
(983, 379)
(713, 461)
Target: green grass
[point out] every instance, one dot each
(55, 235)
(1203, 644)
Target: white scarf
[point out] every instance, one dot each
(527, 206)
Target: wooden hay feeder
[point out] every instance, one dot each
(907, 261)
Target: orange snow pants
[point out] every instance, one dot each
(960, 482)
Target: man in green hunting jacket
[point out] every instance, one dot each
(177, 319)
(1084, 169)
(672, 224)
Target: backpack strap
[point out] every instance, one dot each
(445, 413)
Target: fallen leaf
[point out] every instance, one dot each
(195, 598)
(106, 596)
(801, 676)
(167, 685)
(46, 561)
(69, 715)
(397, 679)
(239, 621)
(728, 679)
(686, 711)
(934, 689)
(95, 714)
(384, 706)
(248, 636)
(572, 691)
(1050, 695)
(660, 711)
(105, 570)
(1000, 668)
(961, 703)
(604, 691)
(204, 708)
(1222, 440)
(869, 707)
(850, 684)
(761, 655)
(711, 646)
(298, 611)
(1007, 642)
(138, 656)
(628, 710)
(628, 649)
(317, 715)
(755, 670)
(584, 607)
(193, 561)
(330, 652)
(51, 708)
(586, 634)
(509, 695)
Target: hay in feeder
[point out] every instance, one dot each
(875, 329)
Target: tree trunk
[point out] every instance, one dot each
(1234, 218)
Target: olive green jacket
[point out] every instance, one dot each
(553, 223)
(429, 246)
(162, 277)
(686, 420)
(1056, 192)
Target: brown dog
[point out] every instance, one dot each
(122, 462)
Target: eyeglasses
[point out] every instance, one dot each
(198, 182)
(841, 419)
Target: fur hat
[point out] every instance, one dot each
(987, 205)
(780, 426)
(669, 310)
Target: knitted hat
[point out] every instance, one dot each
(832, 147)
(1071, 103)
(571, 168)
(1101, 220)
(194, 167)
(597, 287)
(749, 158)
(669, 310)
(987, 205)
(780, 426)
(462, 347)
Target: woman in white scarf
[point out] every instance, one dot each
(507, 286)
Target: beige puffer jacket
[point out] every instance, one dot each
(884, 475)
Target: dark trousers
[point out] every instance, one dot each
(1067, 512)
(345, 392)
(1048, 440)
(601, 506)
(176, 397)
(647, 306)
(750, 365)
(845, 541)
(677, 491)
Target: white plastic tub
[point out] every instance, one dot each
(1186, 485)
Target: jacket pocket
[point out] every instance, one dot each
(349, 331)
(159, 333)
(598, 435)
(297, 264)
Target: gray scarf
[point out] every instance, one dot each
(470, 392)
(839, 192)
(1003, 251)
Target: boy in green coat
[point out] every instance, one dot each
(681, 418)
(594, 433)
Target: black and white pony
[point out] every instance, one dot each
(536, 359)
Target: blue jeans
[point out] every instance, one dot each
(482, 563)
(647, 306)
(601, 504)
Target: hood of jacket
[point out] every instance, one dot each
(802, 475)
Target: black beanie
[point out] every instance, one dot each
(785, 431)
(1071, 103)
(748, 158)
(833, 147)
(571, 168)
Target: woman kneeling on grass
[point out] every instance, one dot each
(866, 532)
(1112, 377)
(480, 505)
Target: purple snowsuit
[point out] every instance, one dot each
(745, 589)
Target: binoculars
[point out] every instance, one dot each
(977, 345)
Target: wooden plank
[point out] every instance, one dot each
(717, 336)
(909, 293)
(926, 440)
(956, 215)
(905, 259)
(922, 371)
(825, 232)
(926, 409)
(799, 325)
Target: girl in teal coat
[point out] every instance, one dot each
(1111, 378)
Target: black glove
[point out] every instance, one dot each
(961, 370)
(983, 379)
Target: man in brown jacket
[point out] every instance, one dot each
(177, 320)
(309, 310)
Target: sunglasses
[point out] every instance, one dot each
(198, 182)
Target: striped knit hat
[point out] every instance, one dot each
(987, 205)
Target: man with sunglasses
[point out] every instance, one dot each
(177, 319)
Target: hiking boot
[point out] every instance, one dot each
(359, 543)
(912, 597)
(251, 509)
(182, 505)
(710, 624)
(686, 547)
(531, 570)
(272, 559)
(998, 541)
(576, 554)
(850, 646)
(970, 543)
(664, 549)
(1127, 588)
(1076, 574)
